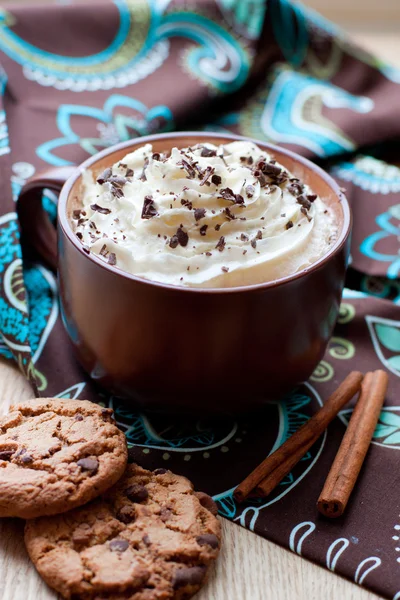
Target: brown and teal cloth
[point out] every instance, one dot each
(76, 78)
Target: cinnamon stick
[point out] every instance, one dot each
(299, 443)
(354, 447)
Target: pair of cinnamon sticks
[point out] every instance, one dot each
(350, 457)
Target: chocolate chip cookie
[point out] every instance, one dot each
(147, 538)
(56, 455)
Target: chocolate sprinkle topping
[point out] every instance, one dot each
(100, 209)
(117, 180)
(199, 213)
(227, 194)
(289, 224)
(225, 269)
(76, 213)
(207, 152)
(182, 236)
(304, 202)
(250, 189)
(244, 237)
(217, 227)
(143, 173)
(253, 243)
(296, 188)
(129, 173)
(221, 244)
(189, 168)
(203, 229)
(104, 176)
(206, 175)
(216, 179)
(229, 215)
(149, 209)
(259, 235)
(112, 259)
(187, 203)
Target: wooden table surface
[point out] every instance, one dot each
(249, 568)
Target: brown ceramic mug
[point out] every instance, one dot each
(179, 348)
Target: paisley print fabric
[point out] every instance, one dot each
(71, 85)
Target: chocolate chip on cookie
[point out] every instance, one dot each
(56, 455)
(116, 547)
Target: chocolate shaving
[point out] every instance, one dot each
(173, 242)
(206, 175)
(117, 192)
(103, 251)
(289, 224)
(117, 180)
(296, 189)
(143, 173)
(104, 176)
(156, 156)
(208, 254)
(244, 237)
(203, 229)
(217, 227)
(199, 213)
(253, 243)
(182, 236)
(79, 235)
(76, 213)
(227, 194)
(229, 215)
(261, 177)
(221, 244)
(216, 179)
(225, 269)
(129, 173)
(100, 209)
(250, 189)
(187, 203)
(112, 259)
(189, 168)
(149, 209)
(312, 197)
(207, 152)
(304, 202)
(259, 235)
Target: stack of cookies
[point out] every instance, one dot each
(99, 528)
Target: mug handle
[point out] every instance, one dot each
(36, 227)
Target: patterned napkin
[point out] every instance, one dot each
(76, 78)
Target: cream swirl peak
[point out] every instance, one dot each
(205, 216)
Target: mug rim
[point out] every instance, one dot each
(65, 224)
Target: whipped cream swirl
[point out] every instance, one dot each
(205, 216)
